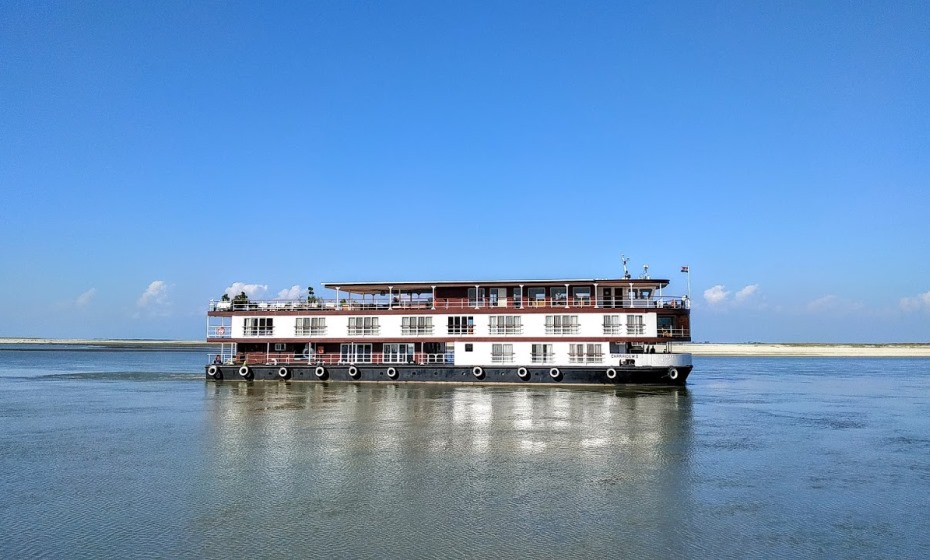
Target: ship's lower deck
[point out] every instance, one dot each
(440, 373)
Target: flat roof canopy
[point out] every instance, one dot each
(424, 287)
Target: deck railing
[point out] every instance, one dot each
(289, 358)
(279, 306)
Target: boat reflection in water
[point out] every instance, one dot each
(514, 468)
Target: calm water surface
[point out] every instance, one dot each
(131, 454)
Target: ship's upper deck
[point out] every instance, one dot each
(591, 293)
(381, 287)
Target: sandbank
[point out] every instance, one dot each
(921, 350)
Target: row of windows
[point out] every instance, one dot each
(543, 354)
(497, 324)
(361, 353)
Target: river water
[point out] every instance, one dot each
(131, 454)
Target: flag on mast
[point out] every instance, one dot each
(684, 268)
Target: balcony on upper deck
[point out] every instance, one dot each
(439, 304)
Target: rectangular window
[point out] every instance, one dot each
(398, 353)
(352, 353)
(475, 297)
(561, 324)
(582, 296)
(416, 325)
(363, 326)
(259, 326)
(612, 324)
(505, 324)
(559, 295)
(541, 354)
(585, 354)
(461, 325)
(310, 326)
(536, 296)
(635, 325)
(502, 353)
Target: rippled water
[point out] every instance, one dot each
(132, 454)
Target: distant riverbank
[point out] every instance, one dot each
(807, 349)
(698, 349)
(110, 343)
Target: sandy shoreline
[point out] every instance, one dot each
(702, 349)
(808, 349)
(115, 343)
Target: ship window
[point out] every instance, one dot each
(561, 324)
(505, 324)
(666, 325)
(363, 325)
(537, 296)
(469, 347)
(634, 325)
(417, 325)
(461, 325)
(582, 295)
(502, 353)
(309, 326)
(398, 353)
(612, 324)
(259, 326)
(541, 353)
(352, 353)
(585, 353)
(475, 296)
(558, 294)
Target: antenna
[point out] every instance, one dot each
(626, 273)
(645, 272)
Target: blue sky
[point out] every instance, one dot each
(154, 154)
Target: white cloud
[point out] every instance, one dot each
(716, 295)
(254, 291)
(746, 292)
(921, 301)
(838, 306)
(823, 303)
(155, 294)
(294, 292)
(84, 299)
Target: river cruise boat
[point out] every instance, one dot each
(559, 331)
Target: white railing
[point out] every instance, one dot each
(288, 358)
(417, 331)
(332, 305)
(502, 358)
(219, 331)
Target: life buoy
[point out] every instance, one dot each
(554, 373)
(320, 371)
(244, 371)
(392, 373)
(306, 352)
(477, 372)
(353, 372)
(523, 373)
(283, 373)
(672, 373)
(220, 331)
(611, 373)
(213, 370)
